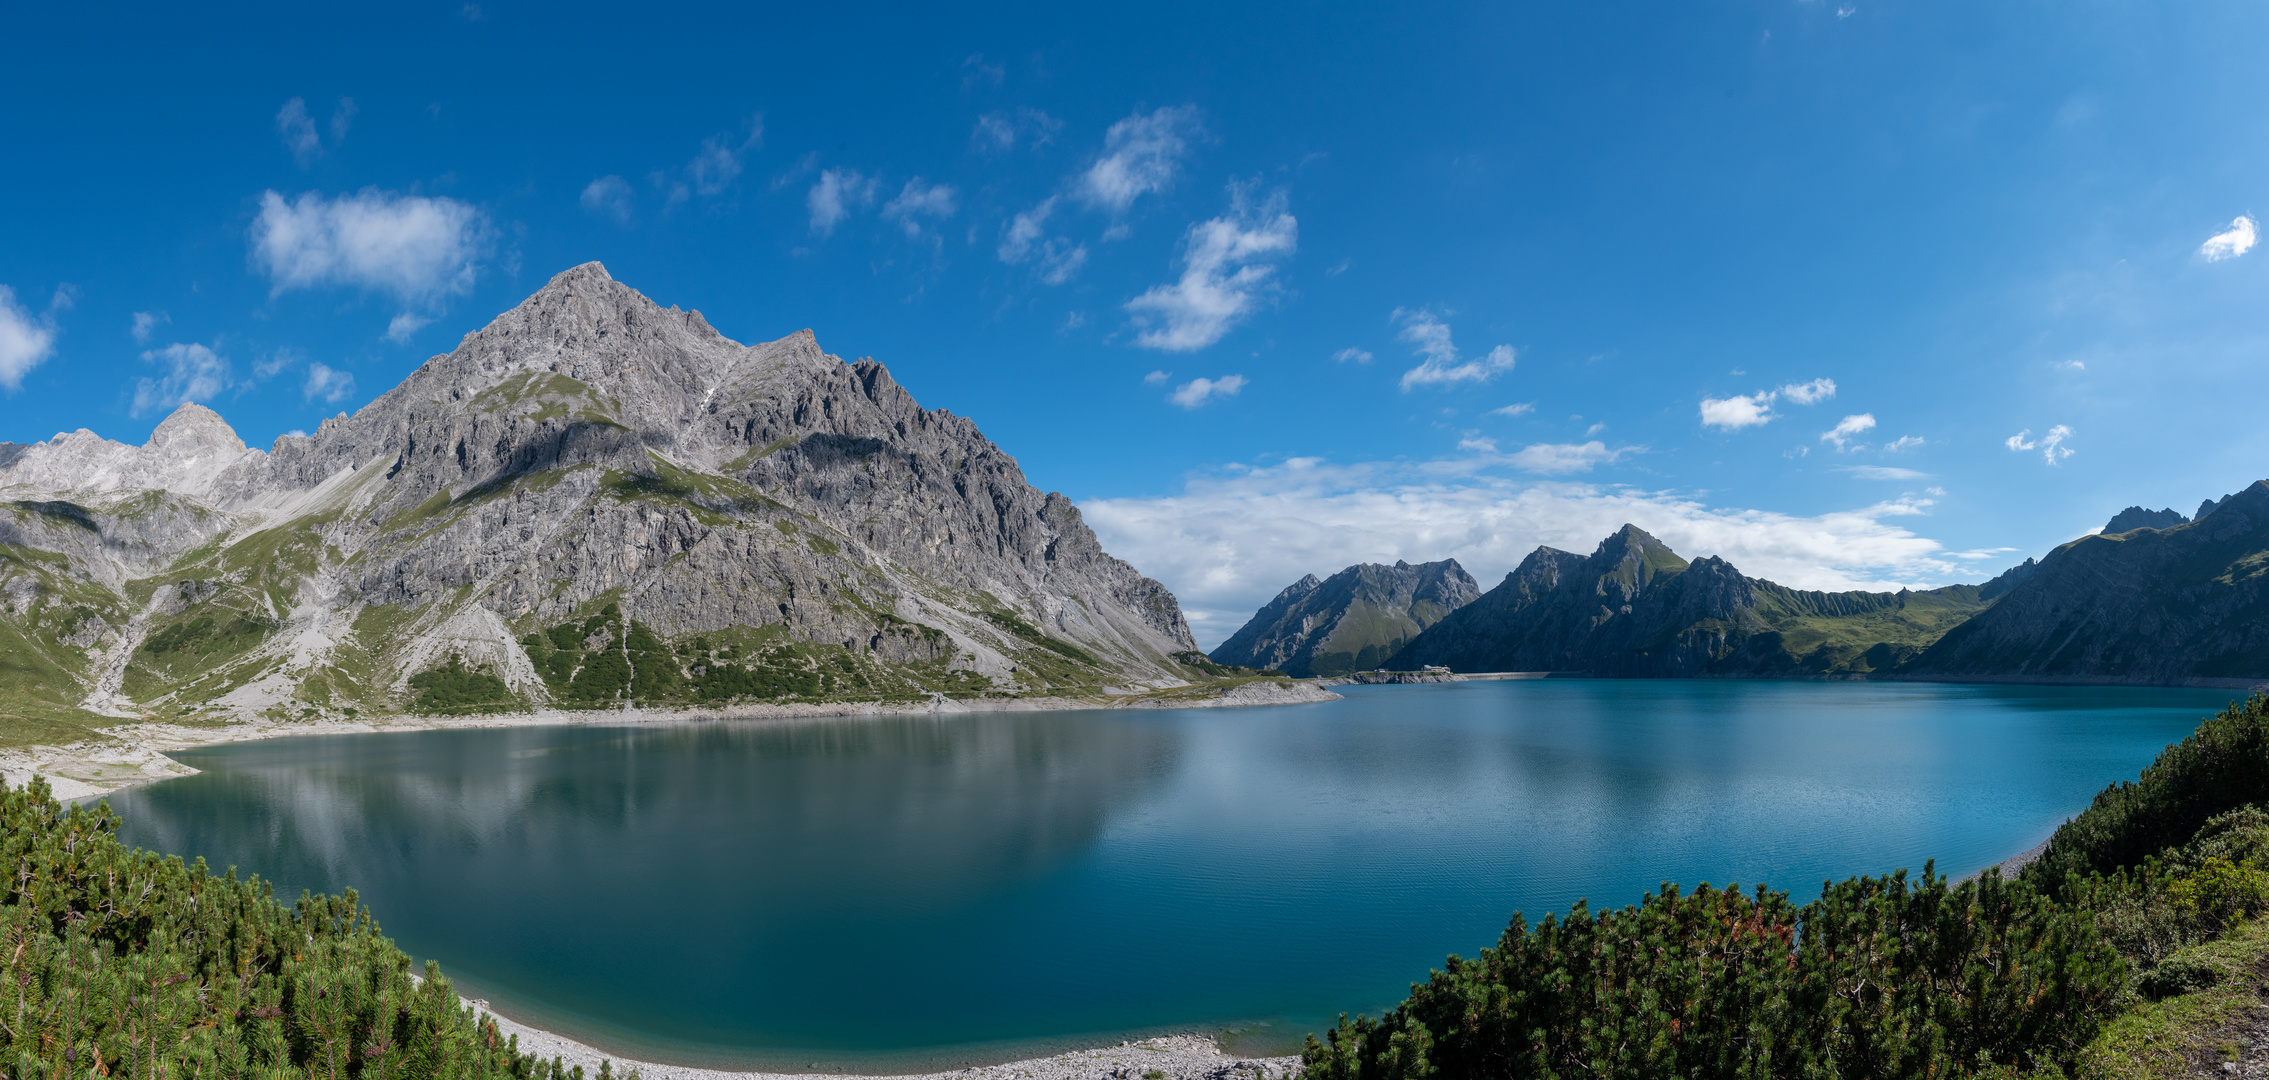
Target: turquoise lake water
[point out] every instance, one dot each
(903, 893)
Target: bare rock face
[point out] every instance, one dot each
(1352, 622)
(593, 500)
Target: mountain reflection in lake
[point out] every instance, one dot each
(911, 892)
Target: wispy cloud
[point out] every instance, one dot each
(1360, 356)
(1157, 378)
(1751, 410)
(1902, 444)
(1520, 409)
(2231, 242)
(404, 326)
(327, 384)
(147, 321)
(719, 163)
(1001, 131)
(1224, 275)
(1140, 155)
(917, 201)
(1848, 429)
(297, 129)
(1197, 392)
(415, 248)
(1429, 336)
(2051, 445)
(838, 193)
(1025, 239)
(611, 196)
(1882, 472)
(1560, 459)
(26, 341)
(1234, 537)
(192, 372)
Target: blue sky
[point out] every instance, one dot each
(1852, 293)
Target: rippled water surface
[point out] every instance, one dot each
(905, 892)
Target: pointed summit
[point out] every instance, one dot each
(192, 430)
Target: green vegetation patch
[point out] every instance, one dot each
(456, 690)
(124, 963)
(1031, 633)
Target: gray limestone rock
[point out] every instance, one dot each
(590, 449)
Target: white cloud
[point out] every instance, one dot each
(1522, 409)
(1750, 410)
(835, 196)
(1025, 238)
(1229, 541)
(1902, 444)
(328, 384)
(146, 321)
(192, 373)
(1156, 378)
(1882, 472)
(1140, 155)
(1000, 131)
(1360, 356)
(2051, 445)
(1811, 393)
(1595, 429)
(1739, 411)
(1441, 367)
(1560, 459)
(298, 132)
(610, 195)
(917, 201)
(1849, 428)
(341, 117)
(2231, 242)
(275, 362)
(404, 325)
(2071, 365)
(1478, 443)
(719, 163)
(1196, 392)
(414, 247)
(25, 341)
(1223, 278)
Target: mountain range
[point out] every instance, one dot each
(592, 501)
(2156, 597)
(1352, 622)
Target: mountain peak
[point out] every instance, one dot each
(193, 428)
(2136, 517)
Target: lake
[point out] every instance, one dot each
(914, 892)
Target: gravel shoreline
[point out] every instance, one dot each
(1175, 1057)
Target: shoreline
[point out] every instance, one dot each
(1179, 1057)
(136, 751)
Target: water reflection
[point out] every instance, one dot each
(910, 892)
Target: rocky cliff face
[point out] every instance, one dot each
(2136, 517)
(1634, 608)
(592, 500)
(2163, 605)
(1352, 622)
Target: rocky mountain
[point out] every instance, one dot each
(2136, 517)
(2187, 603)
(592, 501)
(1633, 607)
(1352, 622)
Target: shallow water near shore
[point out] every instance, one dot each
(911, 893)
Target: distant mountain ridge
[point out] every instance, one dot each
(1635, 608)
(2182, 604)
(1351, 622)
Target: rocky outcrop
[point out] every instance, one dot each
(1634, 608)
(1352, 622)
(769, 512)
(2189, 603)
(2136, 517)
